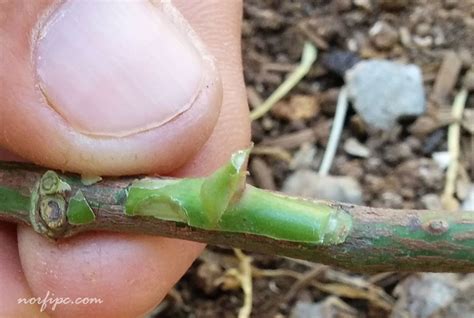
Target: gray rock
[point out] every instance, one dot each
(383, 35)
(432, 201)
(424, 295)
(442, 158)
(393, 4)
(338, 62)
(469, 80)
(364, 4)
(330, 307)
(343, 5)
(304, 157)
(353, 147)
(307, 183)
(383, 92)
(306, 310)
(468, 204)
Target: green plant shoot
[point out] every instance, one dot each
(223, 202)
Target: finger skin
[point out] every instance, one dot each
(128, 273)
(8, 156)
(34, 131)
(132, 273)
(221, 33)
(13, 285)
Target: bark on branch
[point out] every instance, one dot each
(220, 210)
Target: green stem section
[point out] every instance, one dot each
(222, 210)
(221, 202)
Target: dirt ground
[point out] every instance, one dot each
(399, 171)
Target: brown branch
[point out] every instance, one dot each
(378, 240)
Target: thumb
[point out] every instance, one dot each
(104, 87)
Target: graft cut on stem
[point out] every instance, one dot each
(221, 209)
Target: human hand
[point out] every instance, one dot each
(113, 88)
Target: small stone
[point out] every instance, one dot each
(432, 201)
(392, 200)
(442, 158)
(306, 309)
(339, 61)
(393, 4)
(307, 183)
(414, 143)
(328, 29)
(405, 36)
(423, 126)
(468, 81)
(423, 29)
(420, 174)
(468, 203)
(466, 58)
(383, 35)
(358, 126)
(353, 147)
(262, 174)
(373, 184)
(265, 18)
(423, 41)
(267, 123)
(353, 168)
(330, 307)
(304, 157)
(447, 77)
(364, 4)
(433, 141)
(408, 194)
(328, 100)
(462, 188)
(425, 294)
(323, 131)
(468, 122)
(397, 153)
(450, 4)
(372, 164)
(375, 88)
(352, 45)
(300, 107)
(343, 5)
(207, 274)
(439, 37)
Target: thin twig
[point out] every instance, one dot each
(374, 294)
(304, 280)
(221, 210)
(454, 134)
(272, 151)
(244, 275)
(307, 60)
(257, 272)
(337, 125)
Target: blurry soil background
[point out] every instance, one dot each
(401, 166)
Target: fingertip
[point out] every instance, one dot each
(130, 274)
(14, 288)
(99, 113)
